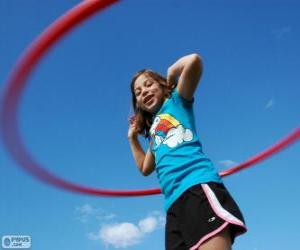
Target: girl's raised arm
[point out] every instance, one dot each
(188, 71)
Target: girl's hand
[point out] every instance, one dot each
(133, 129)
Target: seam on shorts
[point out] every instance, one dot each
(206, 237)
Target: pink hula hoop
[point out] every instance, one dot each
(17, 82)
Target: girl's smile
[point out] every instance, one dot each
(149, 94)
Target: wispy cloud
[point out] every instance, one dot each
(281, 33)
(270, 103)
(126, 234)
(88, 212)
(228, 163)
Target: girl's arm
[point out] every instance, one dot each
(144, 161)
(188, 71)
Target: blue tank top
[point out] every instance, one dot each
(179, 160)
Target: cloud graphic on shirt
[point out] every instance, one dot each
(177, 135)
(158, 139)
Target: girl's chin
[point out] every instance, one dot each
(153, 107)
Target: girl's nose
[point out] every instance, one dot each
(145, 92)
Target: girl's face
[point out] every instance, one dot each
(149, 94)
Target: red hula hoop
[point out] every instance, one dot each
(17, 82)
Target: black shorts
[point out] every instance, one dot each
(200, 213)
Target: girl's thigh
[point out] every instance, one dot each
(221, 241)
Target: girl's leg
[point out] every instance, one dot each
(221, 241)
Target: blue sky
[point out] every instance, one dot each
(74, 114)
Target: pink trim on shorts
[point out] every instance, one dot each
(206, 237)
(221, 212)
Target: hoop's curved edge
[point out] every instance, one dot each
(17, 81)
(282, 144)
(8, 114)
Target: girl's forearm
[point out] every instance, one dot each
(137, 152)
(188, 71)
(185, 63)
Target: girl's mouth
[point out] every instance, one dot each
(148, 99)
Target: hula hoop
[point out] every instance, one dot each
(17, 82)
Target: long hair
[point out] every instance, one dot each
(144, 119)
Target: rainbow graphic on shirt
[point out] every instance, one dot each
(168, 130)
(166, 123)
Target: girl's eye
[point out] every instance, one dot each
(137, 93)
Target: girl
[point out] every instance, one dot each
(201, 214)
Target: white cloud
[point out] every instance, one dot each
(228, 163)
(270, 103)
(125, 234)
(87, 212)
(281, 33)
(148, 225)
(119, 235)
(85, 209)
(105, 216)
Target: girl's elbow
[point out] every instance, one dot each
(196, 64)
(196, 59)
(147, 170)
(146, 173)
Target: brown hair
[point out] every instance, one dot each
(144, 118)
